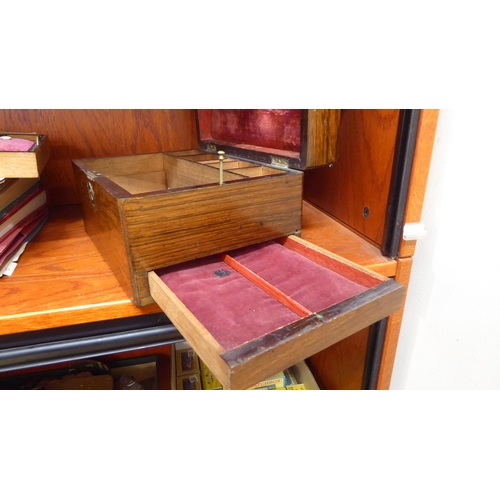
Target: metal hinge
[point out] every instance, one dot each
(92, 174)
(279, 161)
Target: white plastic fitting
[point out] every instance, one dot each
(413, 231)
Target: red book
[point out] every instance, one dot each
(27, 232)
(19, 233)
(12, 192)
(11, 220)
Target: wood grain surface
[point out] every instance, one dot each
(360, 180)
(104, 226)
(322, 137)
(260, 358)
(200, 222)
(84, 133)
(195, 218)
(419, 174)
(62, 280)
(341, 366)
(394, 327)
(321, 229)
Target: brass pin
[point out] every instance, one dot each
(221, 166)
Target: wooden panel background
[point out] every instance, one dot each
(82, 133)
(361, 177)
(341, 366)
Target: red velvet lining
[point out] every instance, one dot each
(15, 145)
(309, 284)
(234, 310)
(231, 308)
(277, 129)
(337, 266)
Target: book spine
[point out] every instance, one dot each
(18, 200)
(20, 205)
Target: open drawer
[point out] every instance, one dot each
(252, 312)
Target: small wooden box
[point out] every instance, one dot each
(149, 211)
(21, 164)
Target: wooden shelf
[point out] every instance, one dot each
(320, 229)
(62, 280)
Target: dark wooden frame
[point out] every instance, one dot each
(400, 180)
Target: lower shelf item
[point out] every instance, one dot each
(90, 374)
(189, 372)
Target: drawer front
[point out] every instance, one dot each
(255, 311)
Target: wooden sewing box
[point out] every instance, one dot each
(223, 258)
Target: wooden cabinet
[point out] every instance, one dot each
(63, 282)
(377, 186)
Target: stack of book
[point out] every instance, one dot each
(23, 211)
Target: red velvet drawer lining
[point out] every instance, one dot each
(234, 310)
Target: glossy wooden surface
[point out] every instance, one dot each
(327, 233)
(62, 279)
(85, 133)
(143, 232)
(341, 366)
(322, 137)
(102, 220)
(360, 180)
(394, 327)
(419, 174)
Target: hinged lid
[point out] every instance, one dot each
(292, 138)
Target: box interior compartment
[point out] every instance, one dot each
(161, 172)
